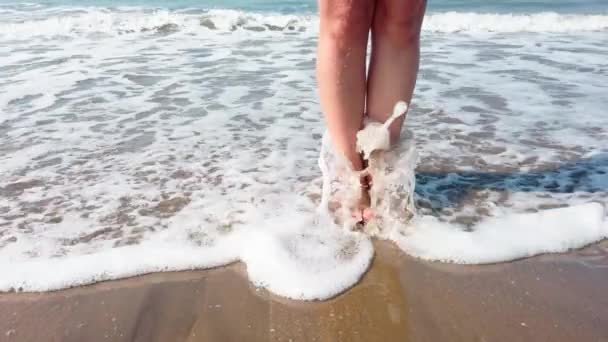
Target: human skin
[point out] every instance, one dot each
(345, 91)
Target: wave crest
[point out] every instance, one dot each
(120, 21)
(451, 22)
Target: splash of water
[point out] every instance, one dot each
(498, 238)
(392, 171)
(375, 136)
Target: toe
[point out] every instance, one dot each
(367, 214)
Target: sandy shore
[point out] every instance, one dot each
(548, 298)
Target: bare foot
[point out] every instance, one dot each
(347, 201)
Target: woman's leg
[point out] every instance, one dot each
(344, 31)
(395, 58)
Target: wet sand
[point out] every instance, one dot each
(547, 298)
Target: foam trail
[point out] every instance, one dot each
(505, 238)
(302, 256)
(113, 263)
(452, 22)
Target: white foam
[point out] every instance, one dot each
(496, 239)
(134, 20)
(109, 264)
(307, 259)
(392, 192)
(505, 238)
(302, 256)
(130, 152)
(375, 136)
(537, 22)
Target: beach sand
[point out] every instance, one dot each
(547, 298)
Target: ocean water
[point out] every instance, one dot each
(138, 136)
(310, 6)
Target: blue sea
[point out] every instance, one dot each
(144, 136)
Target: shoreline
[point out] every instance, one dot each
(550, 297)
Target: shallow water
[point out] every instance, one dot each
(134, 140)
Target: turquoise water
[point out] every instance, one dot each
(295, 6)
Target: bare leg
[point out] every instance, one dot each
(344, 31)
(395, 58)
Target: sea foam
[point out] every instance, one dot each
(135, 20)
(129, 145)
(305, 255)
(505, 238)
(297, 250)
(495, 239)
